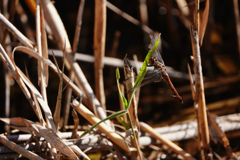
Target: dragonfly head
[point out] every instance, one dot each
(153, 61)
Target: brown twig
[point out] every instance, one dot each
(24, 40)
(199, 99)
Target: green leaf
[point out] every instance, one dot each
(124, 100)
(109, 117)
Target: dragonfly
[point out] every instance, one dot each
(159, 72)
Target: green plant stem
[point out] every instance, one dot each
(134, 137)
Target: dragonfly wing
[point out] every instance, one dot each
(150, 77)
(151, 80)
(157, 52)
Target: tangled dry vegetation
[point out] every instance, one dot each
(70, 120)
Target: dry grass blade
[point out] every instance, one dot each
(25, 41)
(56, 116)
(204, 21)
(87, 114)
(99, 49)
(44, 45)
(76, 124)
(168, 143)
(48, 134)
(13, 146)
(37, 110)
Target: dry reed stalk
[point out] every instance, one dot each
(199, 99)
(13, 146)
(56, 116)
(145, 127)
(237, 21)
(99, 43)
(41, 38)
(24, 40)
(143, 11)
(88, 115)
(183, 7)
(196, 17)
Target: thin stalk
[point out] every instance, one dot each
(135, 137)
(199, 99)
(99, 48)
(41, 80)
